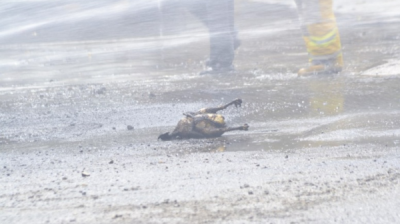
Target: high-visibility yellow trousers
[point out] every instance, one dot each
(320, 32)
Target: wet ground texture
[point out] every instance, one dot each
(80, 118)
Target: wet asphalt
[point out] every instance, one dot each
(80, 118)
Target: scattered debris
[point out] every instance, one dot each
(135, 188)
(85, 174)
(245, 186)
(117, 216)
(102, 90)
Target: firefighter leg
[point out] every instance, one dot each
(321, 36)
(220, 22)
(218, 17)
(199, 9)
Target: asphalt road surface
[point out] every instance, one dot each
(86, 88)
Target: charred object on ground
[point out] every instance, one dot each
(205, 123)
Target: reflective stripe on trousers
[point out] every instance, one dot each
(319, 28)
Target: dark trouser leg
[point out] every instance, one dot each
(218, 17)
(199, 9)
(220, 22)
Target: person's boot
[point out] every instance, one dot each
(318, 67)
(217, 69)
(324, 49)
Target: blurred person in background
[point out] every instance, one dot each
(321, 36)
(218, 17)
